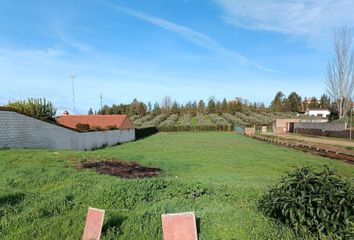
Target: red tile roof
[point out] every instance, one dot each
(102, 121)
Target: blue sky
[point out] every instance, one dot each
(188, 49)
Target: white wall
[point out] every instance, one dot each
(20, 131)
(320, 113)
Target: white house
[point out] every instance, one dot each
(318, 112)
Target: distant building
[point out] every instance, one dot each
(309, 100)
(318, 112)
(282, 125)
(102, 121)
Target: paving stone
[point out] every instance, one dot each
(179, 226)
(93, 225)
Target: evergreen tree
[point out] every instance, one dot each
(277, 103)
(175, 108)
(305, 105)
(295, 102)
(201, 106)
(156, 110)
(224, 106)
(232, 107)
(314, 103)
(211, 105)
(325, 102)
(218, 107)
(141, 109)
(90, 111)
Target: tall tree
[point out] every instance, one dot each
(232, 106)
(201, 106)
(175, 108)
(90, 111)
(325, 102)
(211, 105)
(314, 103)
(218, 107)
(166, 103)
(295, 102)
(305, 104)
(277, 103)
(340, 72)
(224, 106)
(156, 110)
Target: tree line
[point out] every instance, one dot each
(280, 103)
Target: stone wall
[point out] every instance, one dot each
(21, 131)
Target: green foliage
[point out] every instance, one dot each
(295, 102)
(314, 103)
(325, 102)
(36, 107)
(82, 127)
(309, 201)
(278, 101)
(211, 105)
(134, 108)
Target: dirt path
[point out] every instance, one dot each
(325, 150)
(321, 140)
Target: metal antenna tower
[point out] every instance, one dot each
(101, 96)
(73, 86)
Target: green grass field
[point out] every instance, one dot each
(220, 176)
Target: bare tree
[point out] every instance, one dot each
(166, 103)
(340, 72)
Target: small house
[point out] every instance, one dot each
(121, 122)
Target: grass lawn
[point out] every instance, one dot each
(220, 176)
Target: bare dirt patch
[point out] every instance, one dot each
(121, 168)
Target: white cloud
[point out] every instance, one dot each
(194, 36)
(46, 52)
(295, 17)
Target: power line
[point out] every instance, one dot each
(101, 96)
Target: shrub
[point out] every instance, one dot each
(82, 127)
(233, 119)
(38, 108)
(155, 121)
(109, 127)
(169, 123)
(317, 202)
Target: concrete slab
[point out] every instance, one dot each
(93, 225)
(179, 226)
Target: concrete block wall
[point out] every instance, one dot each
(21, 131)
(325, 126)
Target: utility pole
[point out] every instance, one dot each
(101, 96)
(351, 122)
(73, 87)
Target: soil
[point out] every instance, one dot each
(122, 168)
